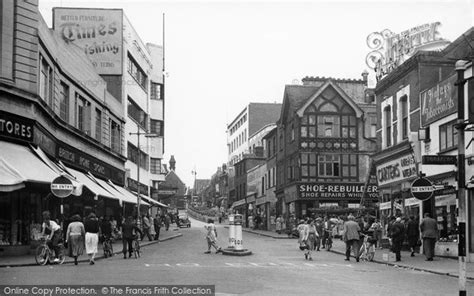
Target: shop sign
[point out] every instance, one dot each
(447, 190)
(412, 202)
(439, 159)
(133, 185)
(89, 163)
(439, 101)
(61, 187)
(385, 205)
(97, 31)
(44, 141)
(396, 170)
(16, 127)
(390, 50)
(336, 191)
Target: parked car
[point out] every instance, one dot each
(183, 221)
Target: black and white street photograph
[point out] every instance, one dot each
(226, 147)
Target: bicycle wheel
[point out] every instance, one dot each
(62, 254)
(105, 249)
(329, 245)
(41, 255)
(111, 249)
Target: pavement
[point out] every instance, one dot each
(439, 265)
(29, 260)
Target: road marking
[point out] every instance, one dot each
(256, 265)
(188, 264)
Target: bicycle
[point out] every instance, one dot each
(43, 253)
(328, 241)
(107, 247)
(367, 250)
(136, 246)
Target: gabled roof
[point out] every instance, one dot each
(173, 179)
(294, 97)
(345, 97)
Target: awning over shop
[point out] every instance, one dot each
(59, 170)
(130, 197)
(90, 184)
(152, 201)
(18, 164)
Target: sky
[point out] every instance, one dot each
(222, 55)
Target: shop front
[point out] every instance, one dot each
(395, 173)
(326, 198)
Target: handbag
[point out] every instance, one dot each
(303, 246)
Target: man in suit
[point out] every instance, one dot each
(397, 233)
(351, 237)
(429, 233)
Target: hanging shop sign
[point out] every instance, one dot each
(390, 50)
(439, 159)
(396, 170)
(97, 31)
(61, 187)
(16, 127)
(439, 101)
(336, 191)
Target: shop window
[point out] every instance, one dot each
(115, 136)
(404, 116)
(388, 126)
(136, 113)
(133, 154)
(156, 127)
(64, 102)
(156, 91)
(448, 136)
(83, 114)
(136, 72)
(98, 125)
(329, 166)
(155, 165)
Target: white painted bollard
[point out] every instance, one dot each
(231, 232)
(236, 245)
(239, 244)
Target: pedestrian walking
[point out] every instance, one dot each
(146, 227)
(129, 232)
(211, 237)
(92, 236)
(397, 232)
(157, 223)
(351, 237)
(278, 224)
(291, 225)
(429, 233)
(167, 221)
(377, 228)
(413, 234)
(310, 237)
(319, 231)
(152, 227)
(75, 237)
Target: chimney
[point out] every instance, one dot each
(365, 76)
(172, 163)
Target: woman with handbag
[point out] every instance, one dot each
(310, 237)
(75, 237)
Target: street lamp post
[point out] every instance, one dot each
(139, 199)
(460, 126)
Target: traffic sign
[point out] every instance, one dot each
(422, 189)
(62, 187)
(439, 159)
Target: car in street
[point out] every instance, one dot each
(183, 221)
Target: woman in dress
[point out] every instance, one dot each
(211, 237)
(278, 225)
(75, 237)
(310, 236)
(92, 236)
